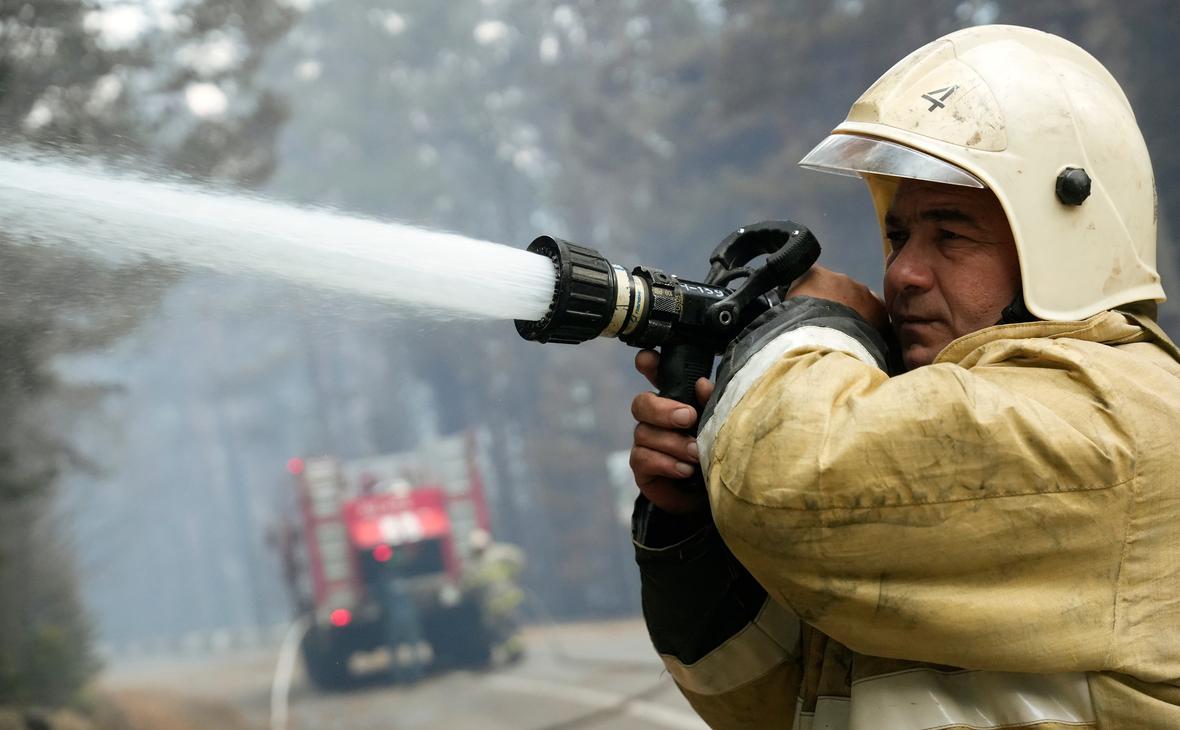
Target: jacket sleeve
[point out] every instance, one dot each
(732, 652)
(966, 514)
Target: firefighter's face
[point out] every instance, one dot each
(953, 266)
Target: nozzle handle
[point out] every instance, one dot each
(680, 366)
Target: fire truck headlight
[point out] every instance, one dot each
(449, 595)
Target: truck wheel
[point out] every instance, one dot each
(327, 667)
(459, 638)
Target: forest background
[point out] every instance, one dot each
(148, 412)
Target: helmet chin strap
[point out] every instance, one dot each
(1016, 312)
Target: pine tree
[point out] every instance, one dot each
(69, 81)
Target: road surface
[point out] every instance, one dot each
(588, 676)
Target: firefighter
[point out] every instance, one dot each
(399, 610)
(987, 535)
(493, 574)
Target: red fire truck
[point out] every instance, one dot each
(364, 522)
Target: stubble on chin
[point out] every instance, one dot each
(917, 351)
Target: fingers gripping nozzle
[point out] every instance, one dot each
(691, 322)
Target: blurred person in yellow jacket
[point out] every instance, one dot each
(983, 529)
(494, 575)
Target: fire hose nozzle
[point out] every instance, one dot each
(690, 322)
(646, 307)
(591, 297)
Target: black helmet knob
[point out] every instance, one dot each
(1073, 186)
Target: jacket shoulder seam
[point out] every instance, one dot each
(860, 508)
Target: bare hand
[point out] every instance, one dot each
(663, 454)
(823, 283)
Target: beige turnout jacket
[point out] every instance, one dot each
(991, 541)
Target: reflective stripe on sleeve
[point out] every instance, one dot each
(924, 699)
(831, 713)
(766, 642)
(761, 361)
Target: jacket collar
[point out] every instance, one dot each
(1109, 328)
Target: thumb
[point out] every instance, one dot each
(705, 389)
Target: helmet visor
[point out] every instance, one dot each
(854, 156)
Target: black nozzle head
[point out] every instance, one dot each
(583, 294)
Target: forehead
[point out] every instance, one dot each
(916, 196)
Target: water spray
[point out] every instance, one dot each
(124, 218)
(691, 322)
(557, 291)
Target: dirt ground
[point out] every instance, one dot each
(156, 710)
(131, 710)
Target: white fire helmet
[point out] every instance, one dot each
(479, 540)
(1042, 124)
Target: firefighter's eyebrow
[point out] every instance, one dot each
(935, 215)
(947, 215)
